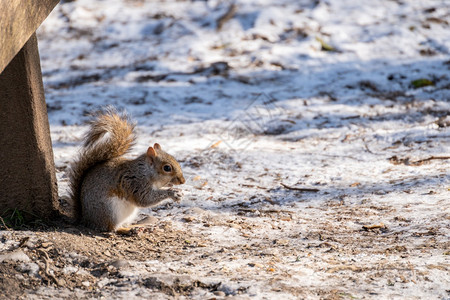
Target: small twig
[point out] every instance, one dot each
(23, 241)
(299, 189)
(47, 267)
(270, 201)
(6, 227)
(421, 161)
(367, 146)
(216, 144)
(253, 186)
(374, 226)
(344, 268)
(397, 161)
(227, 16)
(265, 211)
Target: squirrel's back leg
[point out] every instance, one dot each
(102, 209)
(109, 214)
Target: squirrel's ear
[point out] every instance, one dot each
(151, 152)
(157, 146)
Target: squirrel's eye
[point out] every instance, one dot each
(167, 168)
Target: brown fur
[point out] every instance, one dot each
(95, 152)
(106, 188)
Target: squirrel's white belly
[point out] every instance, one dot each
(124, 211)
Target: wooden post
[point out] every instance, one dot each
(27, 172)
(18, 21)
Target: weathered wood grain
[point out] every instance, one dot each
(19, 19)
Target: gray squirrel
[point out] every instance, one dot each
(108, 189)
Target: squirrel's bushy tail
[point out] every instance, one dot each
(111, 135)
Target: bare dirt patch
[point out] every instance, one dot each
(164, 260)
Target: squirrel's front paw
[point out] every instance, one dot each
(176, 195)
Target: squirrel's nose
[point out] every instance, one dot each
(181, 180)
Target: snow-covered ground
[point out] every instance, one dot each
(258, 99)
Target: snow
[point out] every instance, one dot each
(285, 112)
